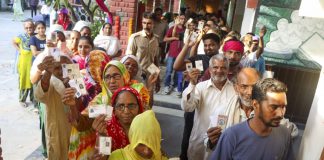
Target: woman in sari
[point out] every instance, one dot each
(114, 76)
(21, 43)
(82, 143)
(85, 46)
(134, 69)
(127, 104)
(145, 140)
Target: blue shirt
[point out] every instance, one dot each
(241, 142)
(260, 65)
(40, 44)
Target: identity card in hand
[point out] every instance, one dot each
(189, 66)
(199, 65)
(81, 85)
(96, 110)
(71, 70)
(105, 145)
(56, 53)
(73, 84)
(201, 25)
(222, 121)
(153, 69)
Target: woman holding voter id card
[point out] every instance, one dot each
(145, 140)
(84, 47)
(82, 144)
(114, 76)
(127, 104)
(134, 69)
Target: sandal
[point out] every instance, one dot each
(23, 104)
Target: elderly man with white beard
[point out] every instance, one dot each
(240, 108)
(206, 98)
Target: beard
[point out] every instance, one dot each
(247, 103)
(269, 123)
(218, 78)
(233, 63)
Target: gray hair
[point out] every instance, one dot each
(219, 57)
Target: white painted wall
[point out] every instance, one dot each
(248, 20)
(312, 143)
(313, 137)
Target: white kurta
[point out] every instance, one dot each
(205, 99)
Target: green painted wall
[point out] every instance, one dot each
(271, 11)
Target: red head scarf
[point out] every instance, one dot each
(234, 45)
(114, 129)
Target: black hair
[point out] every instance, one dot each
(87, 38)
(260, 89)
(85, 27)
(158, 9)
(211, 36)
(40, 23)
(104, 25)
(148, 15)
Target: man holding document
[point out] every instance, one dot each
(206, 98)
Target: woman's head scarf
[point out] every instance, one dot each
(95, 65)
(125, 75)
(145, 129)
(139, 72)
(114, 129)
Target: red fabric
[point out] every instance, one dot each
(64, 20)
(175, 46)
(234, 45)
(104, 8)
(118, 137)
(102, 5)
(114, 129)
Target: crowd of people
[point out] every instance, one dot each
(231, 110)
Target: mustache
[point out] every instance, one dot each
(277, 119)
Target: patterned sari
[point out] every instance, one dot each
(82, 143)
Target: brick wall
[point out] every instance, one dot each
(125, 9)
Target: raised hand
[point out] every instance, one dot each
(193, 75)
(69, 97)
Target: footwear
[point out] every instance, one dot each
(167, 90)
(179, 94)
(23, 104)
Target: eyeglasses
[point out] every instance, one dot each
(114, 76)
(121, 107)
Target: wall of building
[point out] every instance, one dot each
(126, 11)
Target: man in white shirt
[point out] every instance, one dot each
(240, 107)
(205, 98)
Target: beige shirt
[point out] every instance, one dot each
(205, 99)
(57, 127)
(144, 48)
